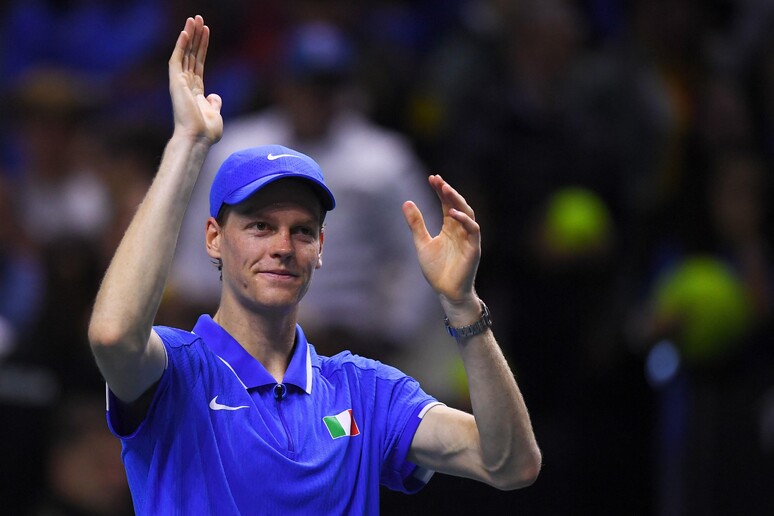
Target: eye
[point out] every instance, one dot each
(259, 226)
(306, 231)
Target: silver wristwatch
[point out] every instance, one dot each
(480, 326)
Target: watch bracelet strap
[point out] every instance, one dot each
(480, 326)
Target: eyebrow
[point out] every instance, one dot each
(315, 218)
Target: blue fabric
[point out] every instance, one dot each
(271, 456)
(246, 171)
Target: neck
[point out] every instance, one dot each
(269, 337)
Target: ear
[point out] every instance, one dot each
(212, 235)
(319, 253)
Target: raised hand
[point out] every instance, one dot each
(449, 260)
(195, 115)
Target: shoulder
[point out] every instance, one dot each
(378, 153)
(175, 337)
(186, 354)
(356, 365)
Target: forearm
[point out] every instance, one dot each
(496, 445)
(131, 290)
(507, 444)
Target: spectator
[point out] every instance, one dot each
(58, 197)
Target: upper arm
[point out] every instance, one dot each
(128, 372)
(447, 441)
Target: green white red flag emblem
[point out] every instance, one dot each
(342, 425)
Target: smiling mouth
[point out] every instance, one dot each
(281, 274)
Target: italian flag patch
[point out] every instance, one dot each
(342, 425)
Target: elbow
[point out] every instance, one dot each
(522, 474)
(528, 473)
(102, 335)
(106, 337)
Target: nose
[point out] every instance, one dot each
(282, 244)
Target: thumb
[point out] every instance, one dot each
(416, 223)
(215, 101)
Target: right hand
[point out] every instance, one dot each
(196, 116)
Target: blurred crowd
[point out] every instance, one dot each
(619, 157)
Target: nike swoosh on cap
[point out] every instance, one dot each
(214, 405)
(272, 157)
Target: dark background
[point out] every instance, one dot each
(646, 397)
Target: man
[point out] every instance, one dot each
(241, 415)
(377, 311)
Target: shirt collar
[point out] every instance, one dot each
(249, 370)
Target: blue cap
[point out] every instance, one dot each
(245, 172)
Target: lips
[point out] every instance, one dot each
(281, 273)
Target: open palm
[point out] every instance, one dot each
(194, 113)
(450, 259)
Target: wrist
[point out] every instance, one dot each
(461, 311)
(194, 141)
(194, 149)
(474, 325)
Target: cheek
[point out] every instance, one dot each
(315, 256)
(238, 253)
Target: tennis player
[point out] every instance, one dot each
(240, 415)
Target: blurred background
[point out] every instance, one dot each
(619, 158)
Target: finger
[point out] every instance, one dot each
(178, 56)
(471, 227)
(176, 59)
(190, 30)
(451, 198)
(416, 223)
(196, 46)
(201, 52)
(193, 48)
(215, 101)
(436, 183)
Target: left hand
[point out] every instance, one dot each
(195, 115)
(449, 260)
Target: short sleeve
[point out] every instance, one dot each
(402, 403)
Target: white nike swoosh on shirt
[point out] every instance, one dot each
(214, 405)
(272, 157)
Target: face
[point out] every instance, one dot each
(311, 108)
(269, 246)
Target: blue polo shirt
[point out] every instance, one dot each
(223, 437)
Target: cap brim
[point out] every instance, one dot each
(322, 191)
